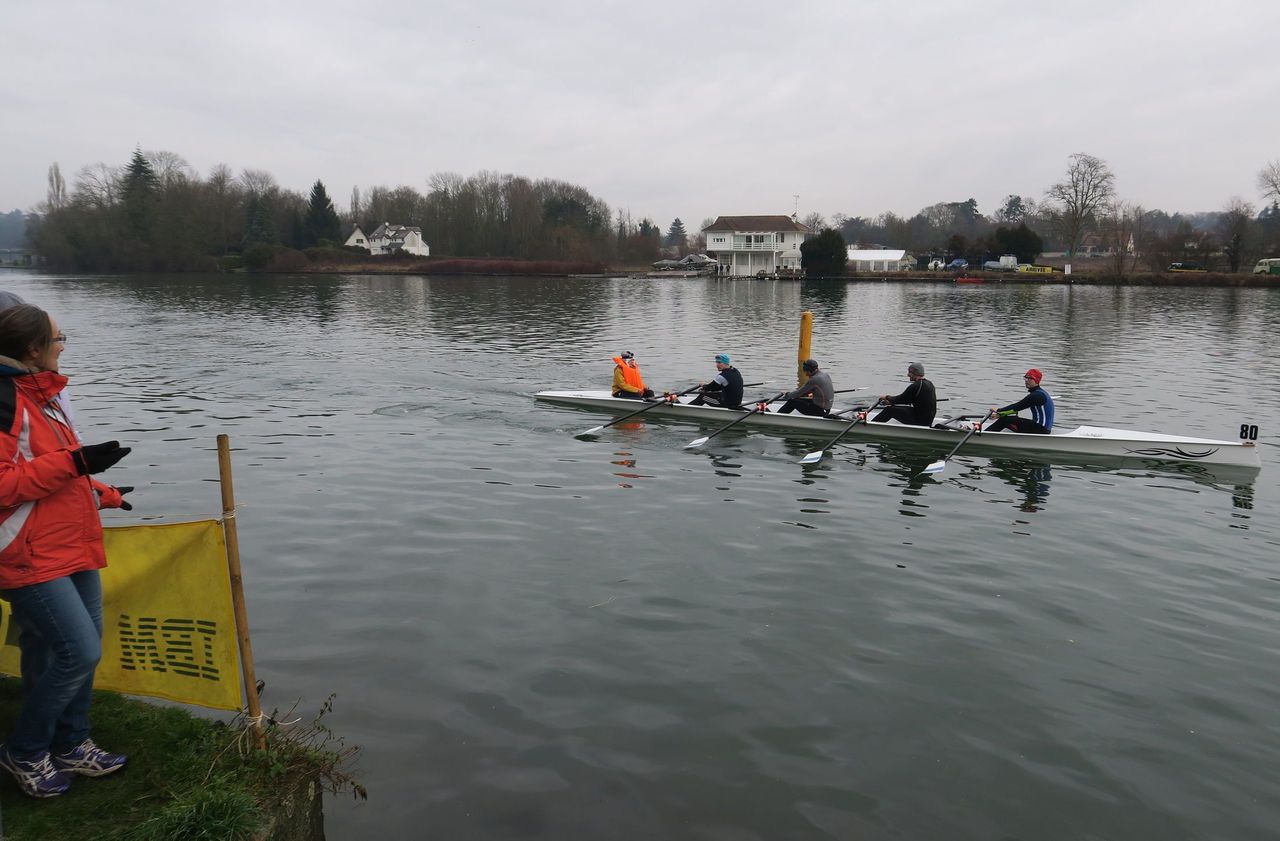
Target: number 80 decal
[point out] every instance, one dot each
(1248, 432)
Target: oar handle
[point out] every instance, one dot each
(662, 402)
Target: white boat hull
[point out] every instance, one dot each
(1083, 441)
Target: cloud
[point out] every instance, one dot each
(667, 109)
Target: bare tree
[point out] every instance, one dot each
(258, 182)
(1234, 227)
(170, 167)
(1123, 232)
(1269, 181)
(57, 194)
(814, 222)
(353, 214)
(97, 185)
(1089, 185)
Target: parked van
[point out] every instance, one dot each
(1268, 266)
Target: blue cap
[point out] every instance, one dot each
(722, 358)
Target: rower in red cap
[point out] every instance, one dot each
(1037, 400)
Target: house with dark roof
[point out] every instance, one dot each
(390, 239)
(749, 245)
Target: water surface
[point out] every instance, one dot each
(537, 636)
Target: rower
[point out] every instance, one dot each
(916, 405)
(627, 382)
(725, 388)
(814, 397)
(1037, 400)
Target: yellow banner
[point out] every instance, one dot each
(169, 630)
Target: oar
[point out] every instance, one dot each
(663, 402)
(939, 466)
(856, 409)
(698, 442)
(816, 456)
(593, 430)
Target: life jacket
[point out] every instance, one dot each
(630, 373)
(49, 523)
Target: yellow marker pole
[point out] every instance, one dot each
(806, 338)
(237, 589)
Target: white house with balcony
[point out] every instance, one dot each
(390, 239)
(749, 245)
(880, 260)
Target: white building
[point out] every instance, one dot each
(880, 260)
(748, 245)
(390, 239)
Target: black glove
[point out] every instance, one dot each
(122, 490)
(96, 458)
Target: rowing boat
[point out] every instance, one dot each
(1083, 441)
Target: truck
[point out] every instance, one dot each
(1268, 265)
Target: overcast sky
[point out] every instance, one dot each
(689, 109)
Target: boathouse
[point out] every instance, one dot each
(748, 245)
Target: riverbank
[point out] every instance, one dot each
(187, 778)
(1198, 279)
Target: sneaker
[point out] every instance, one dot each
(35, 776)
(89, 760)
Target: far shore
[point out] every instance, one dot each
(1095, 277)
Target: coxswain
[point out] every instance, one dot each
(627, 382)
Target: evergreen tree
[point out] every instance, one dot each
(321, 223)
(824, 255)
(676, 235)
(138, 194)
(259, 226)
(1022, 241)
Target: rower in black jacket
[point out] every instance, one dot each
(916, 405)
(725, 388)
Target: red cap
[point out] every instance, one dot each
(1034, 374)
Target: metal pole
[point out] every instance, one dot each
(237, 589)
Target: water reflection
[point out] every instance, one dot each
(1029, 478)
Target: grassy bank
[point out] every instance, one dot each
(187, 778)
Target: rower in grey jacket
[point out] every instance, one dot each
(815, 396)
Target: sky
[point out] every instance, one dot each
(662, 109)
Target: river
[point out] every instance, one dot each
(538, 636)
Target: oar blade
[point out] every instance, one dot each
(936, 467)
(592, 431)
(813, 457)
(697, 442)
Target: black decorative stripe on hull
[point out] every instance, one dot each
(1173, 452)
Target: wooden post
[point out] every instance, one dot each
(237, 589)
(806, 338)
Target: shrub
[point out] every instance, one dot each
(258, 255)
(288, 260)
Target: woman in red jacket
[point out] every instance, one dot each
(50, 554)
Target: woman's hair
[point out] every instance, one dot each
(24, 329)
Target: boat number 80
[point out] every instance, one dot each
(1248, 432)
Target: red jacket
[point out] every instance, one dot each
(49, 523)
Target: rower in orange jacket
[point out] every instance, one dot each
(627, 381)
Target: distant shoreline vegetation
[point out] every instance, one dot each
(155, 213)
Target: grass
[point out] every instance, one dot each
(187, 778)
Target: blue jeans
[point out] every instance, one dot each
(60, 624)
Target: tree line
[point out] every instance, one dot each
(156, 214)
(1082, 216)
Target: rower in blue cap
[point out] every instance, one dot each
(725, 388)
